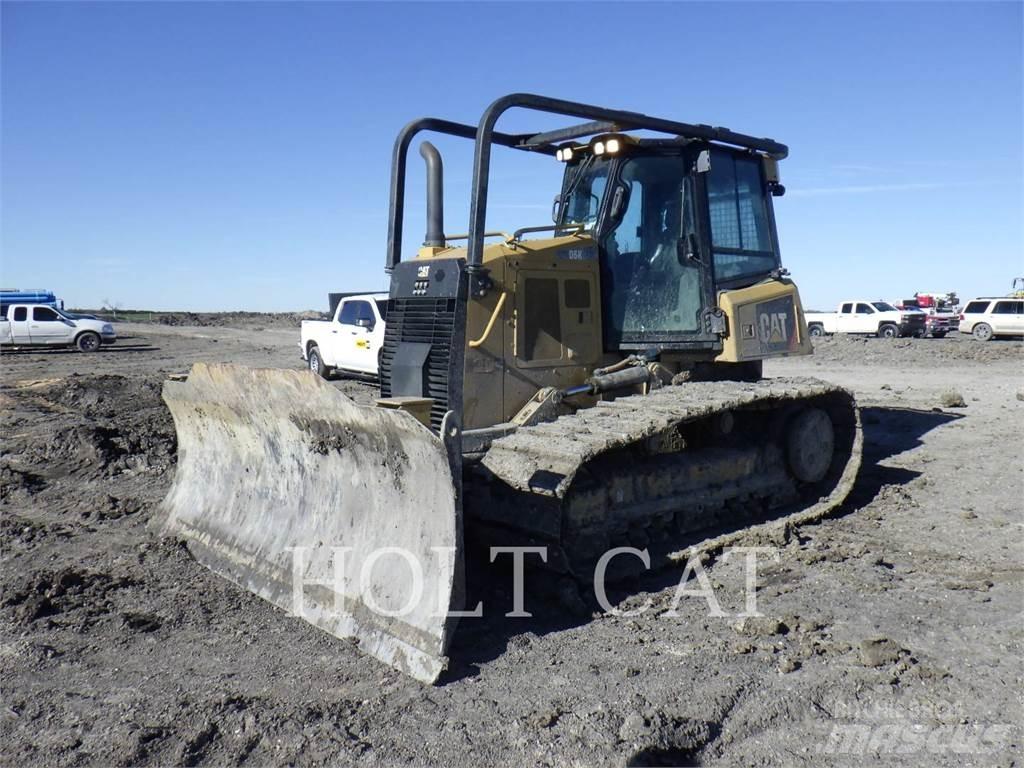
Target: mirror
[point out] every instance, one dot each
(619, 200)
(703, 161)
(363, 322)
(687, 250)
(554, 208)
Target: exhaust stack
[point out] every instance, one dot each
(435, 196)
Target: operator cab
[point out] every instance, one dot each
(675, 223)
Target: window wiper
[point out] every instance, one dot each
(578, 176)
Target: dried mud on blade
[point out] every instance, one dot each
(282, 479)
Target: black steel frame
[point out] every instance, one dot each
(601, 120)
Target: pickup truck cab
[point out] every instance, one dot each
(349, 342)
(875, 318)
(32, 325)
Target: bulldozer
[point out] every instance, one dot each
(571, 387)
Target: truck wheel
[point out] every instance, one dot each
(939, 335)
(816, 330)
(982, 331)
(889, 331)
(316, 363)
(88, 341)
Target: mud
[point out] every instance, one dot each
(891, 632)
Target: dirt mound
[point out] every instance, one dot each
(78, 595)
(111, 424)
(252, 320)
(931, 353)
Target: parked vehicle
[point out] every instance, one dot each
(31, 325)
(876, 318)
(351, 341)
(992, 316)
(936, 324)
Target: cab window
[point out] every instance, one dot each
(349, 313)
(740, 233)
(21, 313)
(364, 314)
(44, 314)
(864, 309)
(846, 309)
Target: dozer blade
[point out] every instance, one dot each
(343, 514)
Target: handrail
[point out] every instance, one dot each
(490, 323)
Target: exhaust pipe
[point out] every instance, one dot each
(435, 196)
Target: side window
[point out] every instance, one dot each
(847, 309)
(864, 309)
(44, 314)
(1008, 308)
(975, 307)
(739, 216)
(364, 313)
(349, 313)
(382, 308)
(21, 313)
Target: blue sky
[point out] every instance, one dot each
(236, 156)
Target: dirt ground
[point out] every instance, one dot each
(892, 631)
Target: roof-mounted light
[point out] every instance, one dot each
(564, 154)
(598, 147)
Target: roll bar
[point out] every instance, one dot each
(600, 120)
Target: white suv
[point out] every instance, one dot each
(993, 316)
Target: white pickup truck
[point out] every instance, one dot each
(33, 325)
(351, 341)
(876, 318)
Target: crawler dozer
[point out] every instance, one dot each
(577, 386)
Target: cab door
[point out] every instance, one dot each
(19, 325)
(655, 279)
(864, 318)
(354, 341)
(49, 327)
(846, 320)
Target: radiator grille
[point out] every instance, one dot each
(425, 320)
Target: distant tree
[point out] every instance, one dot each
(112, 307)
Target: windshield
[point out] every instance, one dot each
(584, 188)
(883, 306)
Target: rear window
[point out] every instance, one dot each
(975, 307)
